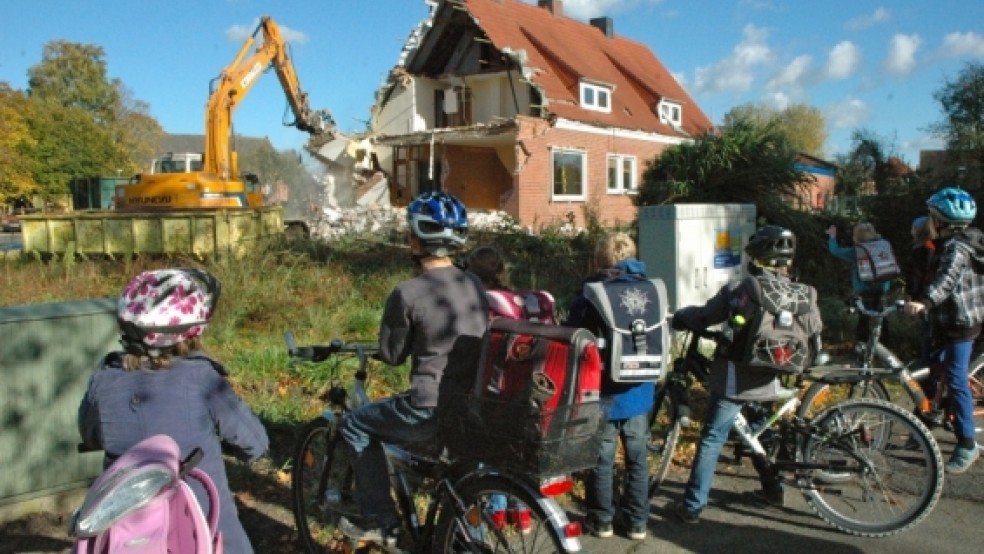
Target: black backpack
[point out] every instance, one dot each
(770, 325)
(635, 337)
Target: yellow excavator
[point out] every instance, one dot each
(211, 179)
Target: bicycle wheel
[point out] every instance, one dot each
(524, 528)
(664, 432)
(322, 486)
(819, 396)
(976, 374)
(893, 464)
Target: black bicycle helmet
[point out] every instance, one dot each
(772, 246)
(953, 206)
(440, 221)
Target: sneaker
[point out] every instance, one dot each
(385, 534)
(637, 532)
(962, 459)
(683, 514)
(520, 517)
(774, 497)
(600, 529)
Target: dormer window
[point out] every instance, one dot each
(596, 97)
(670, 112)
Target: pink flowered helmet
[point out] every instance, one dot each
(158, 309)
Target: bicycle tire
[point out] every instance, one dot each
(976, 376)
(664, 433)
(819, 396)
(491, 535)
(320, 462)
(898, 477)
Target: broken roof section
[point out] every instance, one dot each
(556, 55)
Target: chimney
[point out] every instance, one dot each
(556, 7)
(605, 25)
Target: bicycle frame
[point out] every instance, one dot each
(424, 470)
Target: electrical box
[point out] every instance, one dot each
(695, 248)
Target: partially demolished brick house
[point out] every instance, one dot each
(514, 107)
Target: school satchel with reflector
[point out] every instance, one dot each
(634, 342)
(876, 262)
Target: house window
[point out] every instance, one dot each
(569, 173)
(622, 174)
(453, 107)
(596, 97)
(670, 112)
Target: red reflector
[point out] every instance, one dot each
(556, 486)
(782, 354)
(572, 530)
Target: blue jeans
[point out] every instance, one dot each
(721, 414)
(956, 359)
(600, 492)
(390, 420)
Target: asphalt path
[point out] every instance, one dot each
(735, 523)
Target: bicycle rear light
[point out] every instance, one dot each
(556, 486)
(572, 530)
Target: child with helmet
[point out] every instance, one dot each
(436, 319)
(771, 249)
(954, 299)
(164, 383)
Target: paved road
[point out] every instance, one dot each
(734, 523)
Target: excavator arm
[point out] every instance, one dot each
(232, 85)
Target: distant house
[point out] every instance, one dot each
(515, 107)
(820, 190)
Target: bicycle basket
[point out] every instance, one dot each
(539, 442)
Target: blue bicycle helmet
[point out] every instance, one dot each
(953, 206)
(440, 221)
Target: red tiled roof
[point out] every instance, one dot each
(566, 51)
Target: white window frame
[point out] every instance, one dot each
(626, 168)
(592, 94)
(583, 185)
(667, 109)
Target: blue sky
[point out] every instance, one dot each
(865, 64)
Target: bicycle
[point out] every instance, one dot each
(877, 364)
(865, 466)
(445, 505)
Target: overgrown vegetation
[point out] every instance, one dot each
(321, 291)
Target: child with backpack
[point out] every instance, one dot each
(954, 300)
(872, 288)
(775, 326)
(163, 383)
(619, 272)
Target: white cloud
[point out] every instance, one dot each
(902, 54)
(846, 114)
(792, 76)
(587, 9)
(777, 100)
(736, 72)
(962, 44)
(239, 33)
(863, 22)
(842, 60)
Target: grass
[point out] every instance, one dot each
(319, 292)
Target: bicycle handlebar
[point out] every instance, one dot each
(320, 353)
(855, 304)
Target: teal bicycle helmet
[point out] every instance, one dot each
(440, 221)
(953, 206)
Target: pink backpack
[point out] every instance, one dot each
(531, 305)
(141, 504)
